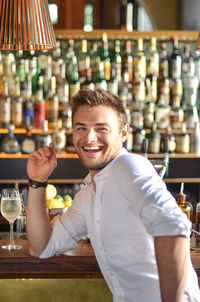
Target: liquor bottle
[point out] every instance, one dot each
(139, 61)
(62, 90)
(163, 61)
(175, 60)
(122, 17)
(94, 60)
(52, 105)
(66, 117)
(171, 141)
(183, 140)
(43, 139)
(83, 61)
(152, 59)
(176, 92)
(88, 17)
(39, 107)
(163, 78)
(162, 116)
(191, 116)
(149, 114)
(17, 106)
(59, 138)
(127, 61)
(197, 217)
(113, 82)
(195, 140)
(116, 61)
(28, 144)
(188, 65)
(69, 58)
(74, 83)
(10, 144)
(125, 91)
(100, 82)
(28, 112)
(139, 92)
(56, 61)
(128, 144)
(185, 206)
(5, 107)
(105, 57)
(176, 116)
(176, 113)
(88, 84)
(154, 138)
(138, 137)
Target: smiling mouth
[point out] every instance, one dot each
(93, 149)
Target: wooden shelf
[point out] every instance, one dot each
(124, 35)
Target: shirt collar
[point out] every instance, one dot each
(103, 173)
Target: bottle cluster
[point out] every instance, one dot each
(157, 82)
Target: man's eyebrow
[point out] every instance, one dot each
(97, 124)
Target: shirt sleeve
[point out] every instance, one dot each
(67, 229)
(149, 197)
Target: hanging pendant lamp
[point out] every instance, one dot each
(26, 25)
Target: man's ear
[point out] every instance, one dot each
(124, 132)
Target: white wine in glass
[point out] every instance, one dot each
(11, 209)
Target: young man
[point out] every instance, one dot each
(139, 235)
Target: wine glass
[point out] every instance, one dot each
(11, 209)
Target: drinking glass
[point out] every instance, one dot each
(11, 209)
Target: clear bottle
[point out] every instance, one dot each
(28, 143)
(17, 106)
(105, 57)
(183, 140)
(116, 62)
(195, 140)
(154, 138)
(185, 206)
(43, 139)
(52, 105)
(127, 61)
(88, 83)
(113, 82)
(59, 138)
(197, 217)
(10, 143)
(139, 61)
(5, 107)
(175, 60)
(125, 91)
(74, 83)
(100, 82)
(152, 59)
(83, 61)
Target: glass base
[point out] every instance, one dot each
(11, 247)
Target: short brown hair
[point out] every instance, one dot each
(98, 97)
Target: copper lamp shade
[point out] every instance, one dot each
(26, 25)
(198, 43)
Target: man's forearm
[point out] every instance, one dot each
(38, 223)
(172, 260)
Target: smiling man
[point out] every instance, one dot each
(139, 235)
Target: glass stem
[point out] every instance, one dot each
(11, 234)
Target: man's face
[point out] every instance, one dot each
(97, 136)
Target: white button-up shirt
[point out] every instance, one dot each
(129, 207)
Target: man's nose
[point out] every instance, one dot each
(91, 135)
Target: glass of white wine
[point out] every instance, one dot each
(11, 209)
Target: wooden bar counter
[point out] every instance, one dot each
(77, 263)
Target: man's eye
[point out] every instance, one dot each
(80, 128)
(102, 129)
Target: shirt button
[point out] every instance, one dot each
(111, 274)
(98, 221)
(120, 296)
(100, 249)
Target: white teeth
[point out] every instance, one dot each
(92, 148)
